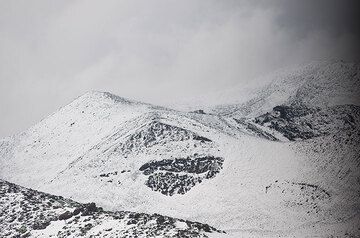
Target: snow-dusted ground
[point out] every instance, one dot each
(29, 213)
(283, 163)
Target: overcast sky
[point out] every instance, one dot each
(156, 51)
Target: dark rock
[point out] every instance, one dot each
(40, 225)
(90, 208)
(66, 215)
(76, 211)
(298, 122)
(200, 111)
(170, 183)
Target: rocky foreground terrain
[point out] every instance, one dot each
(283, 163)
(29, 213)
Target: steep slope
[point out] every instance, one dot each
(48, 147)
(29, 213)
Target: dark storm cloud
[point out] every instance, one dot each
(331, 18)
(335, 17)
(157, 51)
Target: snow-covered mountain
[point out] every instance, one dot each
(283, 163)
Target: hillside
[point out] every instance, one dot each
(29, 213)
(283, 163)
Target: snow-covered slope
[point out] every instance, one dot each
(284, 163)
(48, 147)
(30, 213)
(318, 84)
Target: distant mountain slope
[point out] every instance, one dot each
(318, 99)
(301, 123)
(29, 213)
(318, 84)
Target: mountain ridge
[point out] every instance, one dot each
(336, 78)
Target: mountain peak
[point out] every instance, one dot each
(105, 96)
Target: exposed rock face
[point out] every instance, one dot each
(170, 183)
(29, 213)
(299, 122)
(193, 171)
(254, 130)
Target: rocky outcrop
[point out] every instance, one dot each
(253, 129)
(178, 176)
(300, 123)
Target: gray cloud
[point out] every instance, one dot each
(332, 16)
(156, 51)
